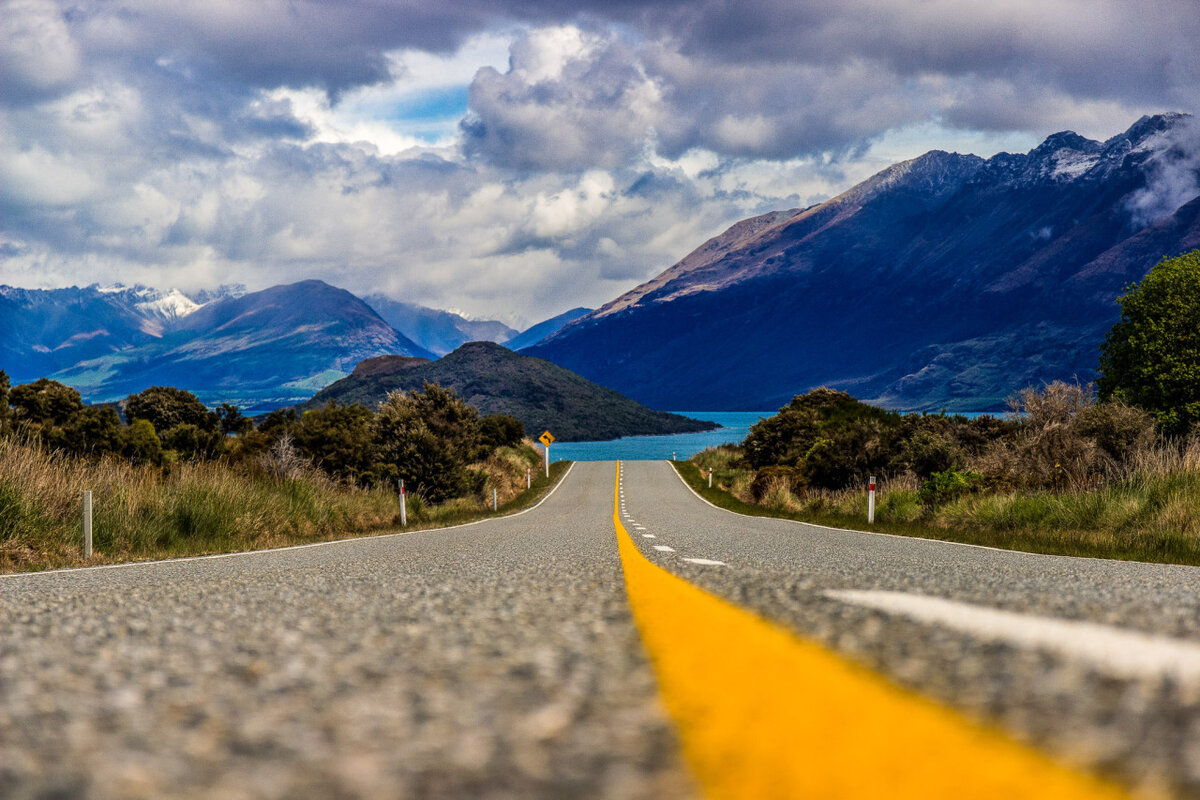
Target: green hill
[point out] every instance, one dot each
(498, 381)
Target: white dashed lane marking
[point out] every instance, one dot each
(649, 536)
(662, 548)
(708, 562)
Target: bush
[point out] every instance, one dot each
(340, 440)
(140, 443)
(428, 438)
(947, 486)
(166, 407)
(501, 430)
(767, 477)
(44, 403)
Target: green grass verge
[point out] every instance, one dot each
(1142, 519)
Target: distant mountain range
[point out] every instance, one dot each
(259, 350)
(438, 331)
(498, 381)
(948, 281)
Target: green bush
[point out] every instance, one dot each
(501, 430)
(947, 486)
(166, 407)
(340, 440)
(428, 438)
(767, 477)
(44, 403)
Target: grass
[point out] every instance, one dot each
(1151, 514)
(142, 513)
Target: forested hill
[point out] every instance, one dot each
(496, 380)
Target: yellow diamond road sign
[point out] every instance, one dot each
(546, 438)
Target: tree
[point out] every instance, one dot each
(93, 430)
(140, 443)
(231, 419)
(5, 410)
(45, 403)
(1151, 357)
(165, 407)
(501, 430)
(339, 439)
(428, 438)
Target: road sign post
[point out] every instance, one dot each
(546, 439)
(871, 501)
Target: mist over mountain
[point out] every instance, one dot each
(945, 281)
(535, 333)
(437, 331)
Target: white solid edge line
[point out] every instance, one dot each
(378, 536)
(907, 538)
(1119, 652)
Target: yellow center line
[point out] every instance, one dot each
(764, 714)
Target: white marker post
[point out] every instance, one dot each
(494, 508)
(672, 455)
(87, 524)
(528, 478)
(710, 477)
(403, 505)
(871, 501)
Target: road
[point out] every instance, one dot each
(503, 659)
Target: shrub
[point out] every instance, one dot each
(790, 477)
(428, 438)
(501, 430)
(140, 443)
(944, 487)
(340, 440)
(44, 403)
(166, 407)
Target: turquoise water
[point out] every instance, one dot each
(735, 426)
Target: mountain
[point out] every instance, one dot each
(945, 281)
(271, 347)
(47, 330)
(535, 333)
(437, 331)
(498, 381)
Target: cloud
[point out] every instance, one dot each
(38, 55)
(525, 157)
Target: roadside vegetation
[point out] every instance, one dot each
(174, 478)
(1070, 471)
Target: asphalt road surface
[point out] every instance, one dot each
(501, 659)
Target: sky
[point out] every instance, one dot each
(511, 160)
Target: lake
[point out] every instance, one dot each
(734, 427)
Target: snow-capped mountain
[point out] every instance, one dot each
(47, 330)
(945, 281)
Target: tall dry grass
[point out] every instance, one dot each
(1145, 507)
(142, 512)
